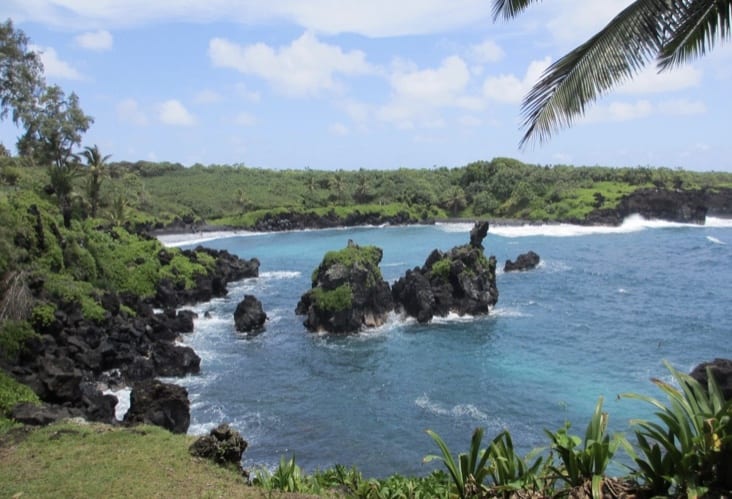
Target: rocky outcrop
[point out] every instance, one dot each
(721, 369)
(71, 358)
(161, 404)
(663, 204)
(249, 316)
(309, 220)
(348, 292)
(223, 445)
(525, 261)
(42, 414)
(228, 268)
(461, 281)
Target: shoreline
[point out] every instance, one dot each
(174, 237)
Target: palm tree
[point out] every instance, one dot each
(97, 171)
(671, 32)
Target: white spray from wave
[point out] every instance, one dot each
(714, 240)
(176, 240)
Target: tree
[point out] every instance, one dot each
(21, 74)
(53, 128)
(671, 32)
(97, 171)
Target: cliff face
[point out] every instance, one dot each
(673, 205)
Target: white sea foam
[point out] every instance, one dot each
(280, 274)
(715, 240)
(123, 402)
(718, 222)
(175, 240)
(458, 411)
(508, 312)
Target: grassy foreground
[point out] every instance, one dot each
(92, 460)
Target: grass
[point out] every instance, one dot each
(91, 460)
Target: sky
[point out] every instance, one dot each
(350, 84)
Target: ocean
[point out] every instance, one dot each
(598, 317)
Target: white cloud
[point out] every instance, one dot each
(207, 96)
(488, 51)
(128, 111)
(245, 119)
(339, 129)
(470, 121)
(511, 89)
(305, 67)
(651, 81)
(419, 94)
(617, 111)
(95, 40)
(172, 112)
(55, 67)
(376, 18)
(682, 107)
(572, 22)
(250, 95)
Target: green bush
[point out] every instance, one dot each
(11, 394)
(333, 300)
(13, 335)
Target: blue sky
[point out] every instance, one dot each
(350, 84)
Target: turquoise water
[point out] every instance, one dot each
(597, 318)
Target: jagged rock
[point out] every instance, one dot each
(223, 445)
(175, 360)
(478, 233)
(42, 414)
(722, 372)
(348, 292)
(160, 404)
(58, 380)
(461, 280)
(97, 406)
(684, 206)
(525, 261)
(249, 315)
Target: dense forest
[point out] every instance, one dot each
(156, 194)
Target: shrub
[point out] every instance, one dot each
(690, 449)
(13, 335)
(333, 300)
(11, 394)
(469, 471)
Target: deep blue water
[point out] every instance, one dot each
(597, 318)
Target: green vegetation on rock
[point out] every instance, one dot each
(332, 300)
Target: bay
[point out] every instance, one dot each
(598, 317)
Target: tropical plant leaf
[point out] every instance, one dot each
(611, 56)
(697, 27)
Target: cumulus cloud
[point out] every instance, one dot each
(618, 111)
(682, 107)
(305, 67)
(339, 129)
(572, 22)
(509, 88)
(488, 51)
(651, 81)
(53, 66)
(128, 111)
(95, 40)
(207, 96)
(172, 112)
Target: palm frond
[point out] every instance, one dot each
(612, 56)
(696, 26)
(509, 8)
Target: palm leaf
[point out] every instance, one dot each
(509, 8)
(612, 56)
(697, 26)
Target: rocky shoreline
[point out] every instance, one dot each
(72, 360)
(682, 206)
